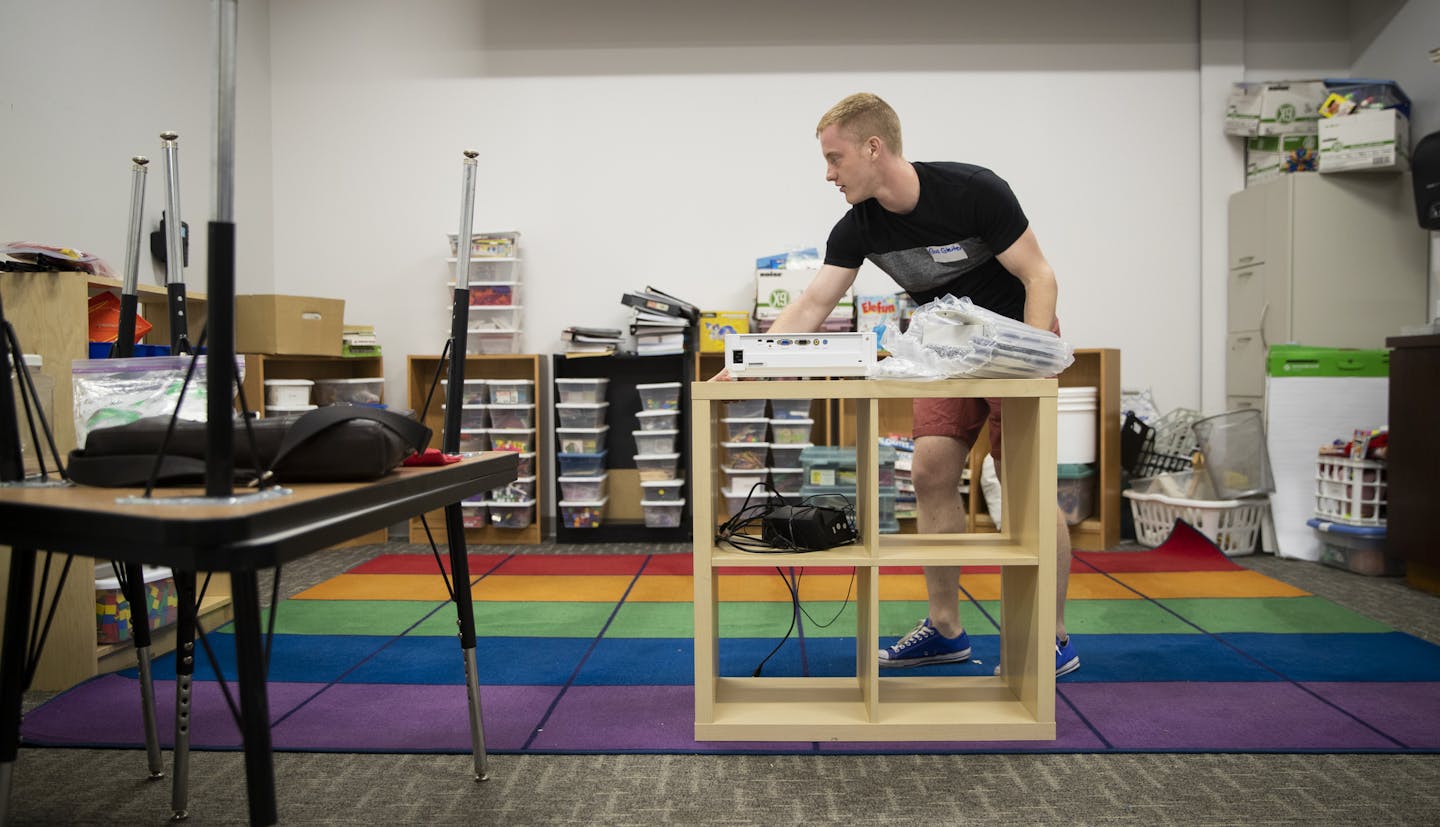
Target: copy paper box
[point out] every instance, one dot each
(289, 325)
(1374, 140)
(775, 289)
(1274, 108)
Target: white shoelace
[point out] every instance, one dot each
(917, 634)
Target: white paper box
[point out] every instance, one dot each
(776, 289)
(1274, 108)
(1365, 141)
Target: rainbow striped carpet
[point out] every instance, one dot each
(1182, 650)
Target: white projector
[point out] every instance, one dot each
(797, 355)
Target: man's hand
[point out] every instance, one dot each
(722, 376)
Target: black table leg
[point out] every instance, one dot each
(465, 617)
(13, 665)
(254, 705)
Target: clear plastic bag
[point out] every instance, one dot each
(119, 391)
(953, 337)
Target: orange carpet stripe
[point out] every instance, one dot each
(1243, 583)
(378, 587)
(584, 588)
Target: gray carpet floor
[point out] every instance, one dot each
(67, 786)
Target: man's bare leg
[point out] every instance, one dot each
(936, 471)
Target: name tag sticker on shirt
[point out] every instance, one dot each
(947, 253)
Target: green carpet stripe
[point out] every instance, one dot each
(1281, 615)
(494, 618)
(1107, 617)
(761, 618)
(344, 617)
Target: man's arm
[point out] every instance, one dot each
(824, 292)
(1027, 263)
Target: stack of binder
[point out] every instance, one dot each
(662, 324)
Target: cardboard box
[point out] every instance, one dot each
(1370, 140)
(289, 325)
(775, 289)
(876, 310)
(1274, 108)
(1271, 156)
(714, 324)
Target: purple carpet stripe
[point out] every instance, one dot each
(1071, 735)
(570, 681)
(1220, 717)
(605, 719)
(1060, 696)
(1405, 712)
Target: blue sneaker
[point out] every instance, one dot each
(1066, 661)
(925, 645)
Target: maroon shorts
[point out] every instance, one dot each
(962, 419)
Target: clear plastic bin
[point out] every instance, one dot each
(474, 440)
(511, 515)
(659, 396)
(510, 391)
(518, 417)
(581, 440)
(581, 465)
(525, 466)
(662, 490)
(473, 417)
(655, 442)
(518, 491)
(787, 480)
(493, 341)
(790, 431)
(580, 390)
(1075, 491)
(474, 515)
(736, 479)
(369, 390)
(657, 466)
(582, 513)
(746, 409)
(666, 514)
(288, 392)
(745, 455)
(512, 439)
(472, 392)
(788, 456)
(745, 430)
(581, 414)
(735, 500)
(658, 420)
(789, 408)
(1360, 549)
(583, 488)
(281, 410)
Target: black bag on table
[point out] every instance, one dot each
(336, 443)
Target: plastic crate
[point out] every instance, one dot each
(511, 515)
(521, 440)
(788, 456)
(745, 430)
(662, 490)
(790, 431)
(789, 408)
(521, 489)
(512, 416)
(655, 442)
(581, 465)
(580, 440)
(582, 513)
(657, 466)
(474, 440)
(474, 515)
(660, 396)
(368, 390)
(581, 390)
(1350, 491)
(745, 455)
(473, 417)
(1232, 525)
(1360, 549)
(510, 391)
(583, 488)
(581, 414)
(1075, 490)
(472, 392)
(745, 409)
(663, 514)
(787, 480)
(525, 465)
(737, 479)
(658, 420)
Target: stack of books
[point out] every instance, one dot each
(359, 340)
(662, 324)
(590, 341)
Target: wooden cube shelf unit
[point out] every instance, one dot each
(1093, 367)
(421, 372)
(1019, 704)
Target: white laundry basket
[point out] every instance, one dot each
(1232, 525)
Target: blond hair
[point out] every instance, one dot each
(862, 115)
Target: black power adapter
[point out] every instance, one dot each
(808, 527)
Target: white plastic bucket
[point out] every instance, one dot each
(1075, 417)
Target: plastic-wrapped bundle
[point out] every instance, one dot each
(952, 337)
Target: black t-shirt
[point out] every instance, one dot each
(947, 244)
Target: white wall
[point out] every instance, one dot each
(670, 144)
(87, 84)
